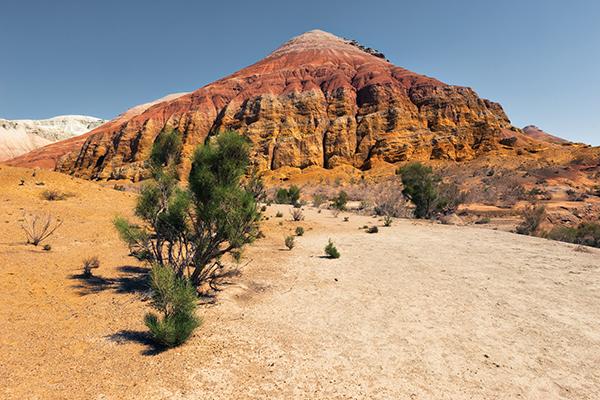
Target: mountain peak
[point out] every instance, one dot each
(318, 40)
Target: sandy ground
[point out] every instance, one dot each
(416, 311)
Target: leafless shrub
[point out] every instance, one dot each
(297, 214)
(533, 215)
(90, 264)
(39, 228)
(335, 212)
(388, 199)
(53, 195)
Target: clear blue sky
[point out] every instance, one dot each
(539, 59)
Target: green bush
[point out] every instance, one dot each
(331, 250)
(425, 189)
(289, 242)
(484, 220)
(288, 196)
(587, 234)
(175, 299)
(191, 228)
(339, 202)
(299, 231)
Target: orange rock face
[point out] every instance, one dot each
(318, 100)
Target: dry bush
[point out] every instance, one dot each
(90, 264)
(53, 195)
(503, 189)
(38, 228)
(388, 199)
(533, 215)
(297, 214)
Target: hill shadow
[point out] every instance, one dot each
(134, 279)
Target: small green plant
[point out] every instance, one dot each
(482, 221)
(339, 202)
(175, 299)
(90, 264)
(373, 229)
(289, 242)
(279, 214)
(53, 195)
(299, 231)
(387, 220)
(331, 251)
(47, 247)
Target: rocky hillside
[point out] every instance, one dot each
(318, 100)
(534, 132)
(22, 136)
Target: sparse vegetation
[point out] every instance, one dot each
(331, 250)
(346, 219)
(297, 214)
(38, 228)
(53, 195)
(482, 221)
(387, 220)
(47, 247)
(533, 215)
(318, 199)
(587, 234)
(190, 229)
(289, 242)
(90, 264)
(175, 299)
(299, 231)
(278, 214)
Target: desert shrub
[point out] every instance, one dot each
(191, 228)
(175, 299)
(339, 202)
(47, 247)
(372, 229)
(533, 216)
(89, 264)
(425, 190)
(278, 214)
(288, 196)
(299, 231)
(346, 219)
(119, 188)
(318, 199)
(38, 228)
(263, 208)
(331, 251)
(53, 195)
(297, 214)
(167, 150)
(289, 242)
(586, 233)
(387, 220)
(482, 221)
(563, 234)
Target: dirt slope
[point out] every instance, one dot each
(416, 311)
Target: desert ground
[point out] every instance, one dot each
(416, 311)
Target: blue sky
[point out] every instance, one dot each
(539, 59)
